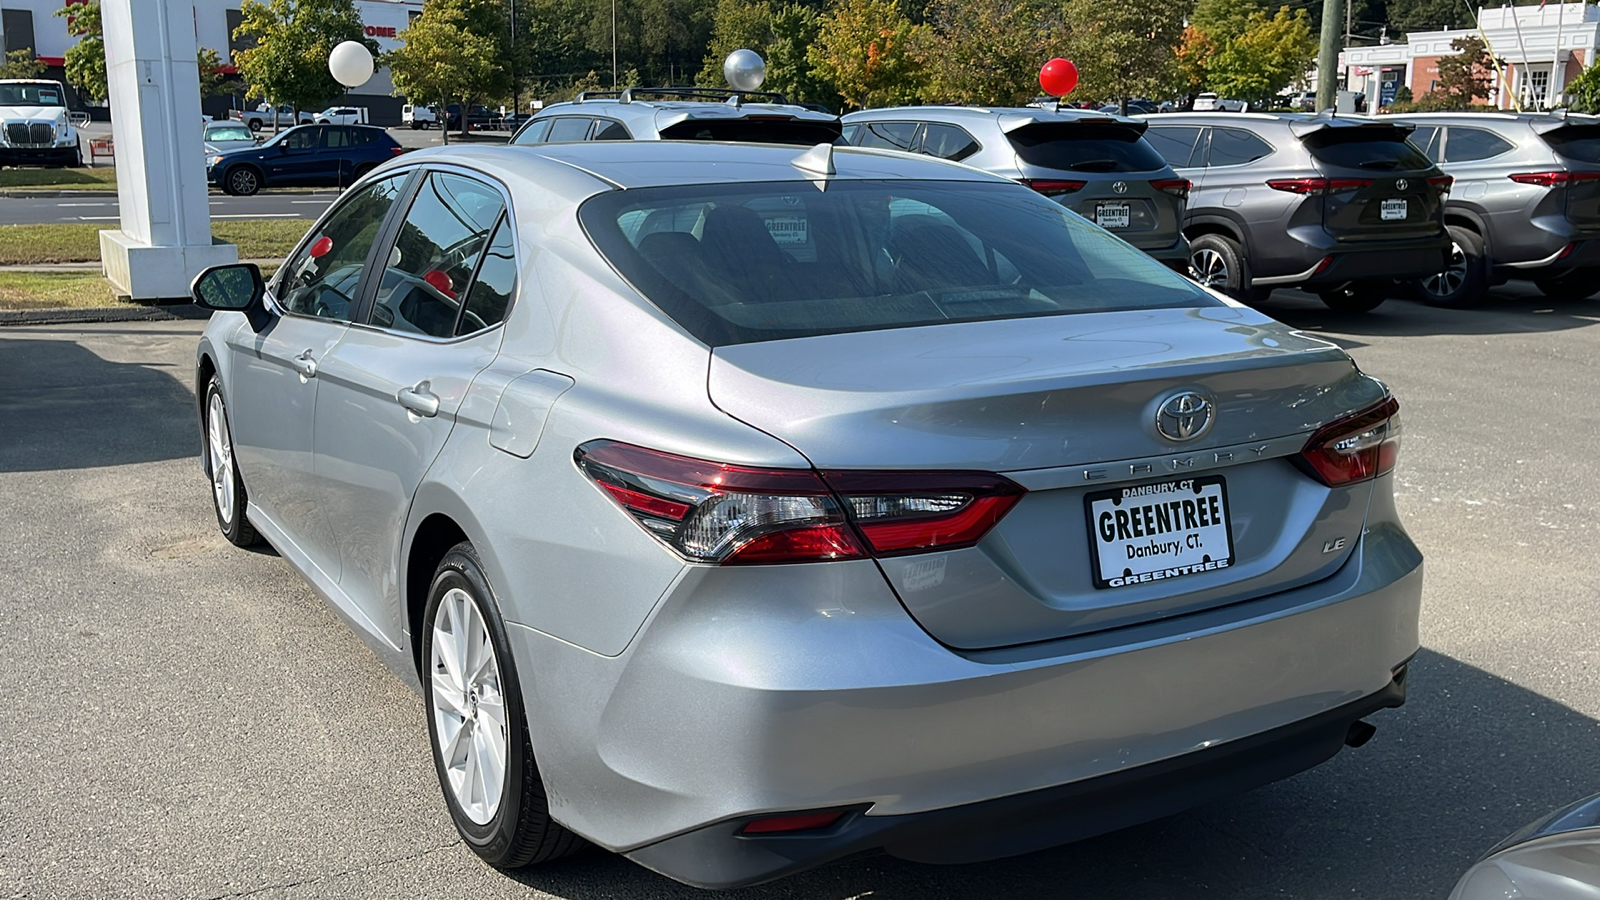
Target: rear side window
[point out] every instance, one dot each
(1085, 148)
(738, 263)
(493, 285)
(1469, 144)
(568, 128)
(1381, 149)
(1176, 144)
(1576, 142)
(889, 135)
(755, 131)
(1235, 147)
(610, 130)
(948, 142)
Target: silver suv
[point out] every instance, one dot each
(1525, 204)
(1096, 165)
(705, 114)
(1340, 206)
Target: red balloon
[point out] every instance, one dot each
(1058, 77)
(321, 247)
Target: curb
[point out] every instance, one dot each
(108, 314)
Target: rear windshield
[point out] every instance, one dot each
(754, 131)
(1381, 149)
(1086, 148)
(1576, 142)
(734, 264)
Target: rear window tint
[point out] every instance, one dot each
(1381, 149)
(1577, 142)
(1235, 147)
(1085, 148)
(889, 135)
(608, 130)
(734, 264)
(948, 142)
(755, 131)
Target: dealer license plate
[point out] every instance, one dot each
(1112, 215)
(1152, 532)
(1392, 210)
(787, 229)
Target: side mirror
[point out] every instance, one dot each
(233, 288)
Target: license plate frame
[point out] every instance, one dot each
(1214, 524)
(1113, 215)
(1394, 209)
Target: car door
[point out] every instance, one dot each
(275, 373)
(296, 161)
(391, 388)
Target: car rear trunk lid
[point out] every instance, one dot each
(1579, 147)
(1378, 184)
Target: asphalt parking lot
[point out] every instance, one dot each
(182, 719)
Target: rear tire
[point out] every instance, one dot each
(1356, 297)
(1217, 262)
(1464, 280)
(254, 125)
(476, 723)
(1574, 284)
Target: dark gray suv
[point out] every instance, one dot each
(1525, 203)
(1343, 207)
(1096, 165)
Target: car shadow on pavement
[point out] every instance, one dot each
(1468, 760)
(69, 408)
(1512, 309)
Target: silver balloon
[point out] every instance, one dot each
(350, 63)
(745, 70)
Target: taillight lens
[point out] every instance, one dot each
(1356, 448)
(1553, 179)
(1442, 183)
(1051, 188)
(1177, 187)
(396, 151)
(739, 515)
(1318, 186)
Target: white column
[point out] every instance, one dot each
(154, 85)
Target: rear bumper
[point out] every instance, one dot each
(1388, 264)
(1577, 254)
(718, 856)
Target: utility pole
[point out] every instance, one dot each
(1328, 56)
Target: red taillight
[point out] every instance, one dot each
(739, 515)
(1356, 448)
(1318, 186)
(1177, 187)
(1553, 179)
(1054, 188)
(1442, 182)
(797, 822)
(396, 151)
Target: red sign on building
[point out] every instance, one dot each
(383, 31)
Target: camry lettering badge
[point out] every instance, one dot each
(1401, 184)
(1120, 187)
(1184, 417)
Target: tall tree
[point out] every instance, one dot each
(1585, 90)
(1466, 76)
(736, 24)
(795, 27)
(20, 64)
(457, 50)
(289, 62)
(1124, 49)
(1195, 52)
(86, 59)
(987, 51)
(1270, 55)
(213, 81)
(866, 49)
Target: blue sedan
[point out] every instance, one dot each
(304, 156)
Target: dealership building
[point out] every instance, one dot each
(1541, 48)
(32, 25)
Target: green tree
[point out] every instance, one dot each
(1124, 49)
(1266, 58)
(1224, 20)
(736, 24)
(457, 50)
(1427, 15)
(1465, 76)
(213, 81)
(20, 64)
(85, 60)
(789, 70)
(1585, 90)
(866, 49)
(1195, 52)
(986, 51)
(292, 39)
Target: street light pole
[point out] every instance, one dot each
(613, 44)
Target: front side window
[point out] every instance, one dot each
(741, 263)
(323, 278)
(1176, 143)
(534, 133)
(1426, 139)
(430, 266)
(302, 139)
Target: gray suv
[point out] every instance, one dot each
(1096, 165)
(1525, 204)
(705, 114)
(1340, 206)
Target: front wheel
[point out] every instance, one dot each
(1463, 280)
(1574, 284)
(228, 497)
(1355, 297)
(242, 181)
(481, 749)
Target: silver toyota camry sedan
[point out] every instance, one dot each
(740, 508)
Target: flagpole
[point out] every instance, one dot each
(1494, 58)
(1517, 24)
(1555, 62)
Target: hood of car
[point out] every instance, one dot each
(53, 114)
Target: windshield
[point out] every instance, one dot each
(734, 264)
(229, 133)
(31, 95)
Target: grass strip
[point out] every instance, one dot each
(98, 178)
(56, 290)
(32, 245)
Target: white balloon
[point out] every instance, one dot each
(351, 63)
(744, 70)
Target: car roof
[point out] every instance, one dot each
(1009, 117)
(641, 164)
(634, 104)
(1506, 116)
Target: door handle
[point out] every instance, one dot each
(305, 364)
(419, 400)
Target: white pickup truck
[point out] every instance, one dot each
(35, 126)
(343, 115)
(264, 115)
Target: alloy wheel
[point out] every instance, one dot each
(1449, 280)
(220, 448)
(469, 710)
(243, 181)
(1207, 267)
